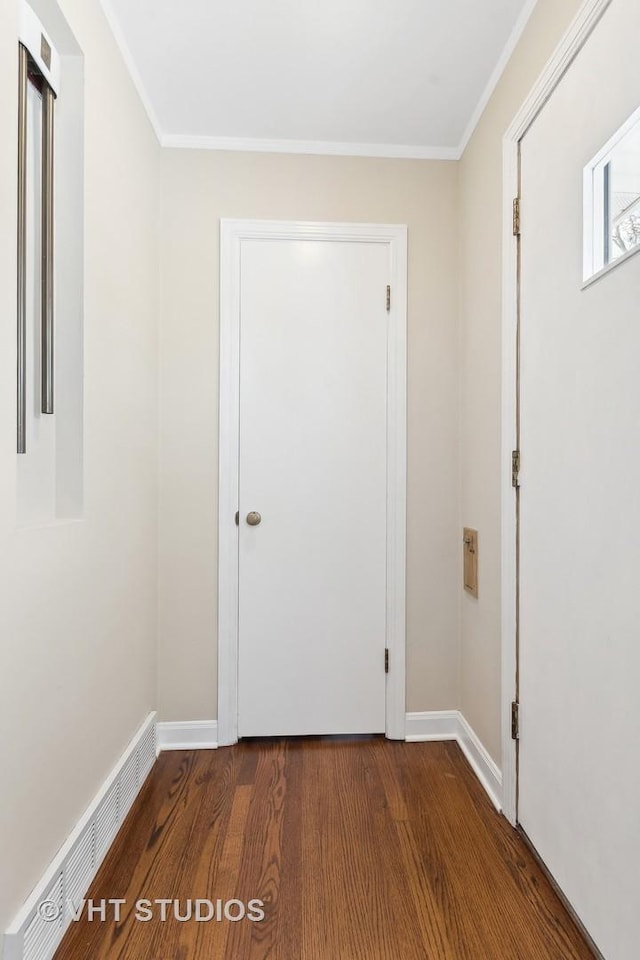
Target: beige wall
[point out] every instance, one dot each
(78, 600)
(454, 386)
(480, 264)
(198, 188)
(79, 606)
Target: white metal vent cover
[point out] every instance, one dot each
(128, 786)
(80, 866)
(42, 936)
(107, 820)
(31, 936)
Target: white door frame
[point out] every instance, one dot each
(232, 233)
(576, 36)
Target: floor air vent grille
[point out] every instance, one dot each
(34, 937)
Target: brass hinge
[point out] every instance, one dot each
(515, 468)
(515, 720)
(386, 660)
(516, 217)
(388, 297)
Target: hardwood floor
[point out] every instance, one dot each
(360, 848)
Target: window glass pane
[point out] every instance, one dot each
(622, 182)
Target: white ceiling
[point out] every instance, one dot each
(381, 77)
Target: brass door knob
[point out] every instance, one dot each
(253, 518)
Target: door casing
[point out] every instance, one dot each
(232, 235)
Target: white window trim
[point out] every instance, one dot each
(31, 33)
(594, 266)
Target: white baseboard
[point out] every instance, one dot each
(435, 725)
(451, 725)
(482, 764)
(187, 735)
(70, 874)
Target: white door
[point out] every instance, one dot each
(313, 464)
(579, 772)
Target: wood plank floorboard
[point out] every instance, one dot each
(360, 849)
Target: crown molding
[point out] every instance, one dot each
(314, 147)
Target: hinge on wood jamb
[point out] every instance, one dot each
(388, 297)
(515, 720)
(516, 217)
(515, 468)
(237, 518)
(386, 660)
